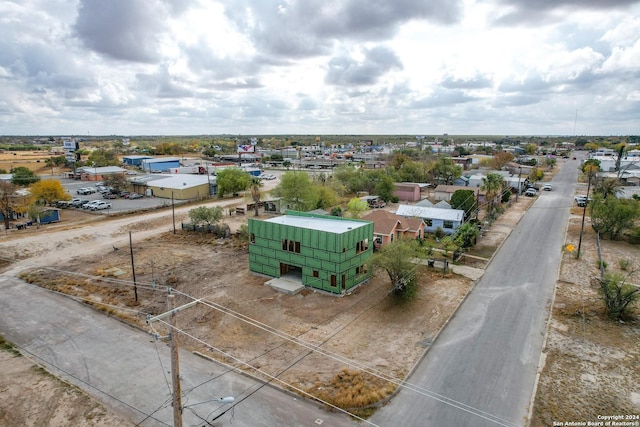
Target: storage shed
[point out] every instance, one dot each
(161, 164)
(327, 252)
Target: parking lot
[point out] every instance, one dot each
(119, 204)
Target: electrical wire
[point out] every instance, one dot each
(80, 380)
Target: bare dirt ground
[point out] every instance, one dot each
(592, 364)
(30, 396)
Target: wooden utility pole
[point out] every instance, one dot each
(175, 363)
(175, 366)
(133, 269)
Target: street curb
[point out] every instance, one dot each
(455, 312)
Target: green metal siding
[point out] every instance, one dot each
(321, 251)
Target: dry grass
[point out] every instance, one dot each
(353, 390)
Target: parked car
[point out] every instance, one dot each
(108, 195)
(84, 191)
(63, 204)
(531, 192)
(124, 194)
(135, 196)
(91, 204)
(547, 187)
(100, 206)
(267, 176)
(78, 203)
(582, 201)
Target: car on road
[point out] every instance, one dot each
(531, 192)
(547, 187)
(267, 176)
(134, 196)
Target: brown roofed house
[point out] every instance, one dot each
(388, 226)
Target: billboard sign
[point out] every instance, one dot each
(246, 148)
(69, 145)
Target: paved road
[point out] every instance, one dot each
(125, 368)
(481, 371)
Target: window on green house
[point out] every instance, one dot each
(315, 273)
(448, 224)
(362, 246)
(334, 281)
(361, 270)
(291, 246)
(252, 238)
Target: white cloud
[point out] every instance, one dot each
(319, 66)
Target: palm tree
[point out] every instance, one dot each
(255, 192)
(608, 187)
(492, 185)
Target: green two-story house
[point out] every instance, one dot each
(330, 253)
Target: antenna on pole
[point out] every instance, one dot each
(575, 121)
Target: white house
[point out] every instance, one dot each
(447, 219)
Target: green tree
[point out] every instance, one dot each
(492, 185)
(206, 215)
(445, 170)
(232, 180)
(102, 157)
(11, 201)
(530, 149)
(48, 191)
(116, 181)
(618, 295)
(23, 176)
(385, 187)
(398, 260)
(327, 198)
(464, 200)
(356, 206)
(607, 187)
(466, 235)
(297, 191)
(351, 178)
(611, 216)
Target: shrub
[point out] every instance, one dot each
(624, 264)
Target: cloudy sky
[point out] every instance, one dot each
(424, 67)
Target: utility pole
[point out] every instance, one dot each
(173, 213)
(133, 269)
(584, 212)
(175, 362)
(175, 366)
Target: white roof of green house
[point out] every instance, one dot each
(321, 223)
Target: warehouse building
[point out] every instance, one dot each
(323, 252)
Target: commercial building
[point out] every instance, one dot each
(325, 252)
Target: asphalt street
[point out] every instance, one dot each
(481, 370)
(129, 371)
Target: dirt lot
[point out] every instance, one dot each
(30, 396)
(592, 363)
